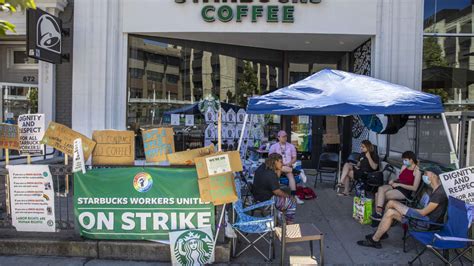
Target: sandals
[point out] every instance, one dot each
(343, 194)
(339, 185)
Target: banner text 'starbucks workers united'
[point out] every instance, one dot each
(139, 203)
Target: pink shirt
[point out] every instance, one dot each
(287, 151)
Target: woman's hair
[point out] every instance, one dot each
(368, 145)
(271, 160)
(410, 155)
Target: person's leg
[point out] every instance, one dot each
(345, 170)
(287, 206)
(394, 194)
(291, 182)
(349, 177)
(386, 223)
(380, 198)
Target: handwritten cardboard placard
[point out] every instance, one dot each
(9, 137)
(113, 147)
(78, 164)
(62, 138)
(158, 142)
(32, 129)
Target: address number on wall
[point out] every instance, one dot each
(29, 79)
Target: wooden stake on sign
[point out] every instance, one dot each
(66, 159)
(28, 159)
(7, 182)
(219, 131)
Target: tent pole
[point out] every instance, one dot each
(450, 140)
(242, 132)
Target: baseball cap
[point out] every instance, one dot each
(434, 169)
(281, 133)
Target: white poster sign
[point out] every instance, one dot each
(218, 164)
(459, 184)
(231, 116)
(230, 132)
(210, 116)
(78, 158)
(32, 198)
(210, 132)
(241, 116)
(32, 128)
(303, 119)
(192, 247)
(189, 120)
(175, 119)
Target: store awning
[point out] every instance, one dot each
(335, 92)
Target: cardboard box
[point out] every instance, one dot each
(215, 176)
(113, 147)
(62, 138)
(158, 142)
(187, 157)
(331, 125)
(331, 138)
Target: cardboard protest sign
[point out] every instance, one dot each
(32, 198)
(187, 157)
(215, 177)
(192, 247)
(78, 164)
(9, 137)
(32, 127)
(158, 142)
(459, 184)
(62, 138)
(113, 147)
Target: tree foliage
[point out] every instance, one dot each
(432, 53)
(12, 6)
(248, 84)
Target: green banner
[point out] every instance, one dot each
(139, 203)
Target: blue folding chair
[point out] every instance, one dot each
(453, 234)
(246, 224)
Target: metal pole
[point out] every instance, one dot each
(450, 140)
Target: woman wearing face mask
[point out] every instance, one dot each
(401, 188)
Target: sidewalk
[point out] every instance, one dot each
(333, 216)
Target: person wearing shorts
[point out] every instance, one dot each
(433, 212)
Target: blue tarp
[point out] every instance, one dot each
(194, 109)
(335, 92)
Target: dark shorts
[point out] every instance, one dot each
(407, 193)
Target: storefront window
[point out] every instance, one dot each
(448, 16)
(17, 100)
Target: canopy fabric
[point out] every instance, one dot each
(335, 92)
(194, 109)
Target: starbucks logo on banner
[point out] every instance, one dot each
(193, 247)
(142, 182)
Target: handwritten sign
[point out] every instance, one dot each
(62, 138)
(9, 137)
(459, 184)
(158, 142)
(113, 147)
(32, 129)
(78, 164)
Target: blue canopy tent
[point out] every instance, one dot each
(335, 92)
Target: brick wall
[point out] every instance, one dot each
(64, 71)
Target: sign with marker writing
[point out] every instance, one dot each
(32, 129)
(459, 184)
(158, 142)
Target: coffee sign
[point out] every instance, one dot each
(253, 10)
(113, 147)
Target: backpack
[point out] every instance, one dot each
(305, 193)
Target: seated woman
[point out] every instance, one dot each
(368, 162)
(408, 181)
(266, 185)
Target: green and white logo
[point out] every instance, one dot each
(193, 247)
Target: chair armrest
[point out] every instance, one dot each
(259, 205)
(267, 220)
(452, 238)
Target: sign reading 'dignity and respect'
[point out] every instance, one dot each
(113, 147)
(62, 138)
(32, 198)
(459, 184)
(158, 142)
(31, 132)
(139, 203)
(9, 137)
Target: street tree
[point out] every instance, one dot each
(12, 6)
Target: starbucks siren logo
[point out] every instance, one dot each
(142, 182)
(193, 247)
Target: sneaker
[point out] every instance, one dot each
(376, 217)
(370, 243)
(384, 236)
(298, 201)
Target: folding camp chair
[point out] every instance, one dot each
(328, 164)
(246, 225)
(452, 236)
